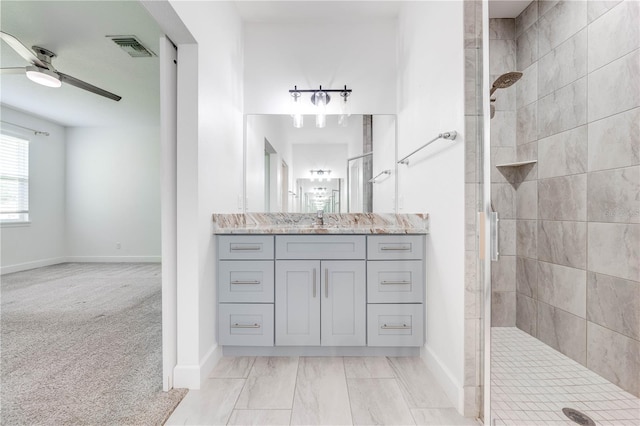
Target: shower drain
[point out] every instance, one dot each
(578, 417)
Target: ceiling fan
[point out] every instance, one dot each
(42, 71)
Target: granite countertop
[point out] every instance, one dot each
(334, 223)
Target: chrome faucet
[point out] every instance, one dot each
(319, 217)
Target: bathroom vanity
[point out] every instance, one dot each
(358, 281)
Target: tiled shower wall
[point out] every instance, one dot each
(473, 310)
(577, 211)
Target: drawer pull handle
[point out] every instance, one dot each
(396, 327)
(314, 283)
(246, 282)
(392, 248)
(236, 325)
(245, 248)
(395, 282)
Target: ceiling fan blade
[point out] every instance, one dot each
(19, 70)
(21, 49)
(86, 86)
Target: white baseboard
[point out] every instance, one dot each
(31, 265)
(453, 390)
(114, 259)
(192, 376)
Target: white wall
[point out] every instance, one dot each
(209, 176)
(430, 101)
(113, 194)
(42, 242)
(360, 55)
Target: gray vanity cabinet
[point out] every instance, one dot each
(320, 302)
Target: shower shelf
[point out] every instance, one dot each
(517, 164)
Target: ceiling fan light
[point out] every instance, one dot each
(43, 76)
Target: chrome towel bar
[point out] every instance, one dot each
(446, 135)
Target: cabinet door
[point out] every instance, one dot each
(343, 303)
(297, 303)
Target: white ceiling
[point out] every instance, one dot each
(75, 31)
(507, 8)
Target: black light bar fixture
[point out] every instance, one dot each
(320, 98)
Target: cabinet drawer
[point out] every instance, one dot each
(245, 281)
(395, 247)
(246, 324)
(395, 325)
(245, 247)
(320, 247)
(395, 281)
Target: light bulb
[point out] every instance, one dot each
(345, 110)
(298, 119)
(321, 109)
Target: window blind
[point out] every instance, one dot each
(14, 178)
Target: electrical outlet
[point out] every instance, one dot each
(118, 246)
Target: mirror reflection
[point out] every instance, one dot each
(338, 169)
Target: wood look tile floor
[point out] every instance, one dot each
(318, 391)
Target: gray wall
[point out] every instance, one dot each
(578, 210)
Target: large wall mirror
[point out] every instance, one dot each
(338, 168)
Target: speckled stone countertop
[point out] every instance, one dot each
(334, 223)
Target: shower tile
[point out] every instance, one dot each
(503, 308)
(563, 65)
(606, 45)
(563, 153)
(563, 109)
(505, 99)
(502, 29)
(527, 124)
(503, 129)
(561, 22)
(502, 54)
(563, 243)
(614, 356)
(527, 18)
(527, 277)
(507, 237)
(563, 331)
(503, 200)
(471, 330)
(470, 148)
(471, 32)
(596, 8)
(528, 152)
(527, 87)
(545, 5)
(614, 303)
(526, 314)
(563, 287)
(470, 84)
(526, 238)
(472, 295)
(503, 274)
(614, 195)
(563, 198)
(615, 87)
(614, 249)
(527, 200)
(615, 141)
(527, 48)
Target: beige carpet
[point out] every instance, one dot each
(81, 344)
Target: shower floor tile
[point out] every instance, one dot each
(531, 383)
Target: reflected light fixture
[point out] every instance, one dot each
(320, 175)
(43, 76)
(320, 98)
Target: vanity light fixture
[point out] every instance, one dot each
(320, 174)
(320, 98)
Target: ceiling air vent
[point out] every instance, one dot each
(132, 46)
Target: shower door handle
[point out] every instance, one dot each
(494, 237)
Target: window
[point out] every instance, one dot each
(14, 179)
